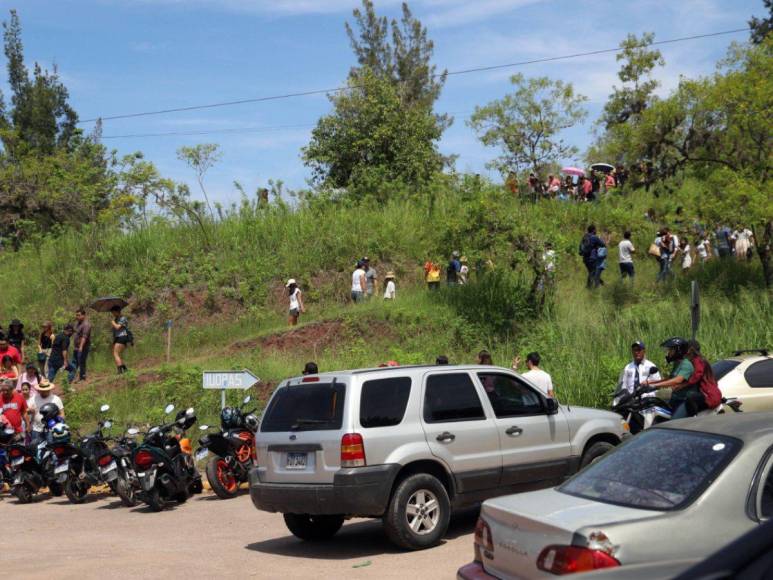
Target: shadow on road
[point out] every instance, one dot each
(356, 540)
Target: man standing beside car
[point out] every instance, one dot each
(638, 370)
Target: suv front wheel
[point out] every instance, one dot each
(418, 513)
(313, 528)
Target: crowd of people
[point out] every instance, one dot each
(581, 186)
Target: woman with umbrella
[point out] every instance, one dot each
(122, 336)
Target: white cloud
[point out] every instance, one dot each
(448, 14)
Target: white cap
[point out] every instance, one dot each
(290, 282)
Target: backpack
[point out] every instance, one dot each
(585, 246)
(708, 386)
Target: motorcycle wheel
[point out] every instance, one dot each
(23, 493)
(155, 501)
(125, 491)
(55, 489)
(221, 478)
(74, 489)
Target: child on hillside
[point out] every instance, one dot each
(389, 294)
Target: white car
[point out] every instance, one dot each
(748, 377)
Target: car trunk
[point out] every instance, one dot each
(523, 525)
(300, 433)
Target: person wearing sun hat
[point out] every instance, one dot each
(390, 292)
(43, 394)
(296, 301)
(464, 270)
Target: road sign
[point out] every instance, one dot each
(695, 309)
(229, 379)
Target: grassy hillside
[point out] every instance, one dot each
(223, 289)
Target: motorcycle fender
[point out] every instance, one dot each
(217, 444)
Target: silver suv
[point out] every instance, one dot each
(409, 444)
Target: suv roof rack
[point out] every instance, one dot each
(761, 351)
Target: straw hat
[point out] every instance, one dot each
(389, 274)
(290, 282)
(45, 385)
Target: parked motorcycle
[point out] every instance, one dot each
(7, 435)
(89, 462)
(127, 486)
(164, 465)
(33, 468)
(233, 450)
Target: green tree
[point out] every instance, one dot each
(527, 124)
(761, 27)
(201, 158)
(383, 127)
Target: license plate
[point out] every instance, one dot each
(17, 480)
(296, 461)
(109, 467)
(17, 461)
(62, 468)
(201, 453)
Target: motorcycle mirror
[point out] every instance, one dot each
(104, 408)
(190, 412)
(132, 431)
(168, 409)
(247, 399)
(203, 427)
(107, 424)
(654, 370)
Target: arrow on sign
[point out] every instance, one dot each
(229, 379)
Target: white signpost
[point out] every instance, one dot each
(224, 380)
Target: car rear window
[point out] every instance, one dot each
(722, 367)
(662, 469)
(383, 401)
(760, 374)
(317, 407)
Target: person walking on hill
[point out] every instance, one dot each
(7, 350)
(296, 302)
(59, 348)
(742, 237)
(536, 375)
(665, 243)
(371, 278)
(122, 337)
(686, 251)
(625, 252)
(452, 271)
(45, 342)
(358, 283)
(464, 270)
(82, 346)
(391, 290)
(704, 250)
(16, 336)
(589, 247)
(432, 275)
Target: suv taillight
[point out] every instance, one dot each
(482, 540)
(571, 559)
(352, 450)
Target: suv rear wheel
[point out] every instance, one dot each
(418, 513)
(313, 528)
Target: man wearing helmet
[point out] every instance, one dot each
(43, 395)
(679, 382)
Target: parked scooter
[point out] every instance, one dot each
(233, 449)
(164, 465)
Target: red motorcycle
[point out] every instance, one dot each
(232, 449)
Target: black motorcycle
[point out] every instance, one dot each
(33, 468)
(127, 486)
(164, 465)
(233, 450)
(89, 462)
(7, 436)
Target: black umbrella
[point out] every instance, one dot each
(603, 167)
(105, 303)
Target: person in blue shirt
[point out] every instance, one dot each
(589, 250)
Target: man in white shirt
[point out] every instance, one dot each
(358, 283)
(536, 375)
(625, 252)
(638, 370)
(43, 394)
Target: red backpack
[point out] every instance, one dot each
(708, 386)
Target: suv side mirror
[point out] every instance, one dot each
(551, 405)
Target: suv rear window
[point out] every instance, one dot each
(305, 407)
(722, 367)
(760, 374)
(451, 397)
(662, 469)
(383, 401)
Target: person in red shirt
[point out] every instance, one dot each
(14, 407)
(7, 349)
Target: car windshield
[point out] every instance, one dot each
(662, 469)
(722, 367)
(317, 407)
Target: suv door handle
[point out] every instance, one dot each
(514, 431)
(445, 436)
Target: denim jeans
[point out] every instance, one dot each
(665, 266)
(54, 366)
(78, 363)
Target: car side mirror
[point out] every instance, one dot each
(551, 405)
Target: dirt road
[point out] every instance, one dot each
(206, 538)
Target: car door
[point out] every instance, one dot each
(459, 432)
(535, 445)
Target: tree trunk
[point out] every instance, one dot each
(764, 243)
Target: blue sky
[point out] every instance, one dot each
(126, 56)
